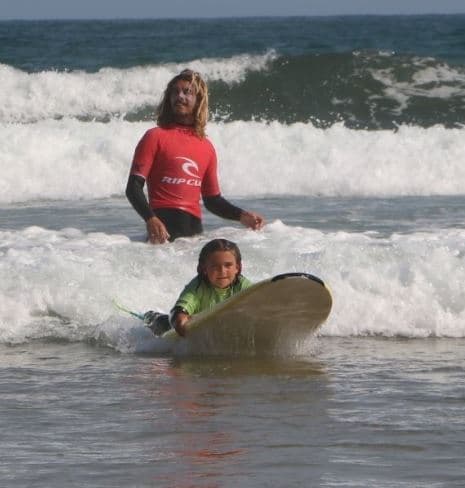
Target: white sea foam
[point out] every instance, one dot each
(69, 159)
(28, 97)
(61, 283)
(438, 81)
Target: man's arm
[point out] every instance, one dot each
(156, 230)
(221, 207)
(136, 196)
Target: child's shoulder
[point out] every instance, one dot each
(194, 283)
(243, 283)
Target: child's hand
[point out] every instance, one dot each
(150, 316)
(180, 322)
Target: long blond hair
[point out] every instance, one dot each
(165, 114)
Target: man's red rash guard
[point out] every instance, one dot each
(178, 166)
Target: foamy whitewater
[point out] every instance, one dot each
(71, 160)
(62, 283)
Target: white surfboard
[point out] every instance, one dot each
(287, 307)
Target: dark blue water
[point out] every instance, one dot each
(91, 45)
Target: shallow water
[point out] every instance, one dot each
(382, 216)
(360, 412)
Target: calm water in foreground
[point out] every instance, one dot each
(361, 412)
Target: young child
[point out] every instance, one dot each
(218, 278)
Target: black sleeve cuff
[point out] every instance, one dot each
(221, 207)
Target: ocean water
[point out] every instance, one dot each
(347, 134)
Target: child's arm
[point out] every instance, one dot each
(179, 319)
(186, 305)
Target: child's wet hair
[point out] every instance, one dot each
(218, 245)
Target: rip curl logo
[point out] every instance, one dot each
(189, 167)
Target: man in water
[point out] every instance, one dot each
(179, 164)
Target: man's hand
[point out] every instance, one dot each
(252, 220)
(156, 231)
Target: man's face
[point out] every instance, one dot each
(183, 100)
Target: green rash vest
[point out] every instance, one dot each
(198, 295)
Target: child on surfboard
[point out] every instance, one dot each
(219, 277)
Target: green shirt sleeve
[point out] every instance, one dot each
(189, 299)
(198, 295)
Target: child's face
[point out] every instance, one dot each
(221, 268)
